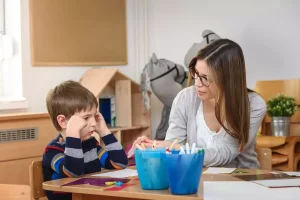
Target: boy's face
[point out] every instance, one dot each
(89, 117)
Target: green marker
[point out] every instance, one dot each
(201, 151)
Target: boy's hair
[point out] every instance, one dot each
(68, 98)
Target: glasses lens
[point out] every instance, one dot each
(204, 81)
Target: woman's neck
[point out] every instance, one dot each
(209, 105)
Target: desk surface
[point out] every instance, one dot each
(136, 191)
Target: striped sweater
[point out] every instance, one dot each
(73, 158)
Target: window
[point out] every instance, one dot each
(11, 96)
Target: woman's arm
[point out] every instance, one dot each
(178, 118)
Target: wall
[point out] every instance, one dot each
(268, 32)
(37, 81)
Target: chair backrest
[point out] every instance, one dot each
(36, 180)
(269, 89)
(264, 156)
(14, 192)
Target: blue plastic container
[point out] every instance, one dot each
(151, 169)
(184, 172)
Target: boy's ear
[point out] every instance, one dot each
(62, 121)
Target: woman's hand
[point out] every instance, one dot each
(144, 139)
(149, 144)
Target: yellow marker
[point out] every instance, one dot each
(153, 145)
(110, 183)
(139, 147)
(143, 146)
(175, 142)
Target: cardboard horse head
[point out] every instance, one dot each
(164, 77)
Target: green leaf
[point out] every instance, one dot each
(281, 105)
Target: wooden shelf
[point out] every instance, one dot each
(127, 128)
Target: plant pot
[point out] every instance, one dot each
(280, 126)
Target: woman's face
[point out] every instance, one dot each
(206, 89)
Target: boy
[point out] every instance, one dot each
(73, 111)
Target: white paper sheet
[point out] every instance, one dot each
(277, 183)
(237, 190)
(219, 170)
(119, 173)
(293, 173)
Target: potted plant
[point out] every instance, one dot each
(280, 109)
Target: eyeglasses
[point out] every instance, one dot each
(195, 74)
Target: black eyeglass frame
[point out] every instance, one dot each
(201, 77)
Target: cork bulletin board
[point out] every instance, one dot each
(78, 32)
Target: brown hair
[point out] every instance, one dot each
(226, 63)
(68, 98)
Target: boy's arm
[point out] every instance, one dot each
(68, 162)
(114, 157)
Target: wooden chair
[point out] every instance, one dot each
(264, 156)
(285, 151)
(36, 180)
(14, 192)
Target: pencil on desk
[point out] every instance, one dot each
(139, 147)
(153, 145)
(172, 145)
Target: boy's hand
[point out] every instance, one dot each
(101, 127)
(74, 126)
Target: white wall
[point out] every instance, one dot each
(37, 81)
(267, 30)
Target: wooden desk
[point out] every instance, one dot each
(89, 192)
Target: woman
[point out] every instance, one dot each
(219, 113)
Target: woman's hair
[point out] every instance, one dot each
(226, 63)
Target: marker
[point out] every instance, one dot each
(187, 148)
(201, 151)
(172, 145)
(181, 150)
(139, 147)
(119, 183)
(153, 145)
(193, 148)
(110, 183)
(143, 146)
(168, 150)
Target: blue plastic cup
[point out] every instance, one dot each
(184, 172)
(151, 169)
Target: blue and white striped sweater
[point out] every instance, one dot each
(73, 158)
